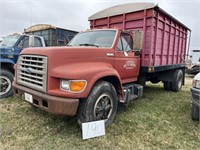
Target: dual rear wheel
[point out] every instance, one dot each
(177, 82)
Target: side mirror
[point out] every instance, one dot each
(31, 41)
(138, 40)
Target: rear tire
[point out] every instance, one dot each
(6, 79)
(195, 112)
(177, 82)
(167, 85)
(101, 104)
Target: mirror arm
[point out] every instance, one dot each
(31, 41)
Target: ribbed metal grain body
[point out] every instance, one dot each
(164, 37)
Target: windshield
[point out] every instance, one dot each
(102, 38)
(10, 40)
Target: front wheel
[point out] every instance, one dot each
(101, 104)
(6, 79)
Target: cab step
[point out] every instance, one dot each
(132, 92)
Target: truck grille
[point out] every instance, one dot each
(32, 72)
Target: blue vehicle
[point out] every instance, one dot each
(10, 48)
(39, 35)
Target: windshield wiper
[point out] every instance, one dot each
(87, 44)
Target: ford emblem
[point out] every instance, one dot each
(28, 70)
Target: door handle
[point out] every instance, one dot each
(110, 54)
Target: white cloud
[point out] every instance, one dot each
(15, 15)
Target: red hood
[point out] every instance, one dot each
(58, 56)
(71, 56)
(73, 63)
(65, 52)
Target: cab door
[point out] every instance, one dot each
(22, 43)
(126, 62)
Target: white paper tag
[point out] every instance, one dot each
(93, 129)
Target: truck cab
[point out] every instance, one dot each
(119, 47)
(10, 48)
(12, 45)
(93, 59)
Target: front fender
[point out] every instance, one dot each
(91, 72)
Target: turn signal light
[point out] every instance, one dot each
(77, 86)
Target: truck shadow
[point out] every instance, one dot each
(148, 90)
(56, 124)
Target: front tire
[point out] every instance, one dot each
(101, 104)
(6, 79)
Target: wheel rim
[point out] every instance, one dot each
(179, 82)
(103, 107)
(5, 84)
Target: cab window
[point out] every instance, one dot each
(24, 43)
(38, 42)
(125, 42)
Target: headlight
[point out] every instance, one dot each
(73, 85)
(196, 84)
(64, 85)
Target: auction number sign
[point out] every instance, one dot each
(93, 129)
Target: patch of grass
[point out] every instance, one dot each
(161, 119)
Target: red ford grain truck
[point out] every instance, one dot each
(126, 46)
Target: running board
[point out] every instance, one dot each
(132, 92)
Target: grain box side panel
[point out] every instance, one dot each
(169, 41)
